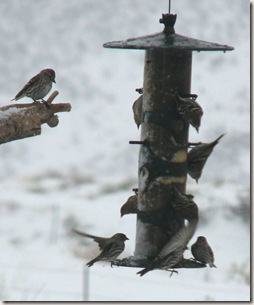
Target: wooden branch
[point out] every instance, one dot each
(18, 121)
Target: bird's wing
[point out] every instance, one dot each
(107, 247)
(21, 93)
(112, 249)
(30, 82)
(179, 240)
(100, 240)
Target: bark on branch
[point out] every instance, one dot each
(18, 121)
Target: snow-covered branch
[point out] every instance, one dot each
(18, 121)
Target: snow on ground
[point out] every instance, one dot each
(81, 172)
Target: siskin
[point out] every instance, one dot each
(198, 156)
(110, 248)
(189, 109)
(202, 252)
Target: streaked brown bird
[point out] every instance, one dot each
(130, 206)
(172, 253)
(38, 86)
(137, 110)
(198, 156)
(189, 109)
(202, 252)
(184, 205)
(110, 248)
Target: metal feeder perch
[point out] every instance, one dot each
(164, 137)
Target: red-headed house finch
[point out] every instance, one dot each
(172, 253)
(202, 252)
(198, 156)
(189, 109)
(38, 86)
(110, 248)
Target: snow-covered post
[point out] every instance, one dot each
(164, 136)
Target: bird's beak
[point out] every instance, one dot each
(54, 81)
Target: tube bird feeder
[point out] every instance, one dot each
(164, 135)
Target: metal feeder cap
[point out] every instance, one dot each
(167, 40)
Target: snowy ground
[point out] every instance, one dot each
(81, 172)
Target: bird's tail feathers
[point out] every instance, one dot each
(89, 264)
(212, 265)
(144, 271)
(83, 234)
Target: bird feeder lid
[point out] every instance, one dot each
(167, 39)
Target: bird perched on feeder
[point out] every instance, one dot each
(198, 156)
(189, 109)
(202, 252)
(110, 248)
(38, 86)
(130, 206)
(184, 206)
(172, 253)
(137, 110)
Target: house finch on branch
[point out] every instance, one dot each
(202, 252)
(38, 86)
(198, 156)
(189, 109)
(172, 253)
(110, 248)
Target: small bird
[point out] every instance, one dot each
(172, 253)
(189, 109)
(137, 110)
(198, 156)
(184, 205)
(202, 252)
(38, 86)
(110, 248)
(130, 206)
